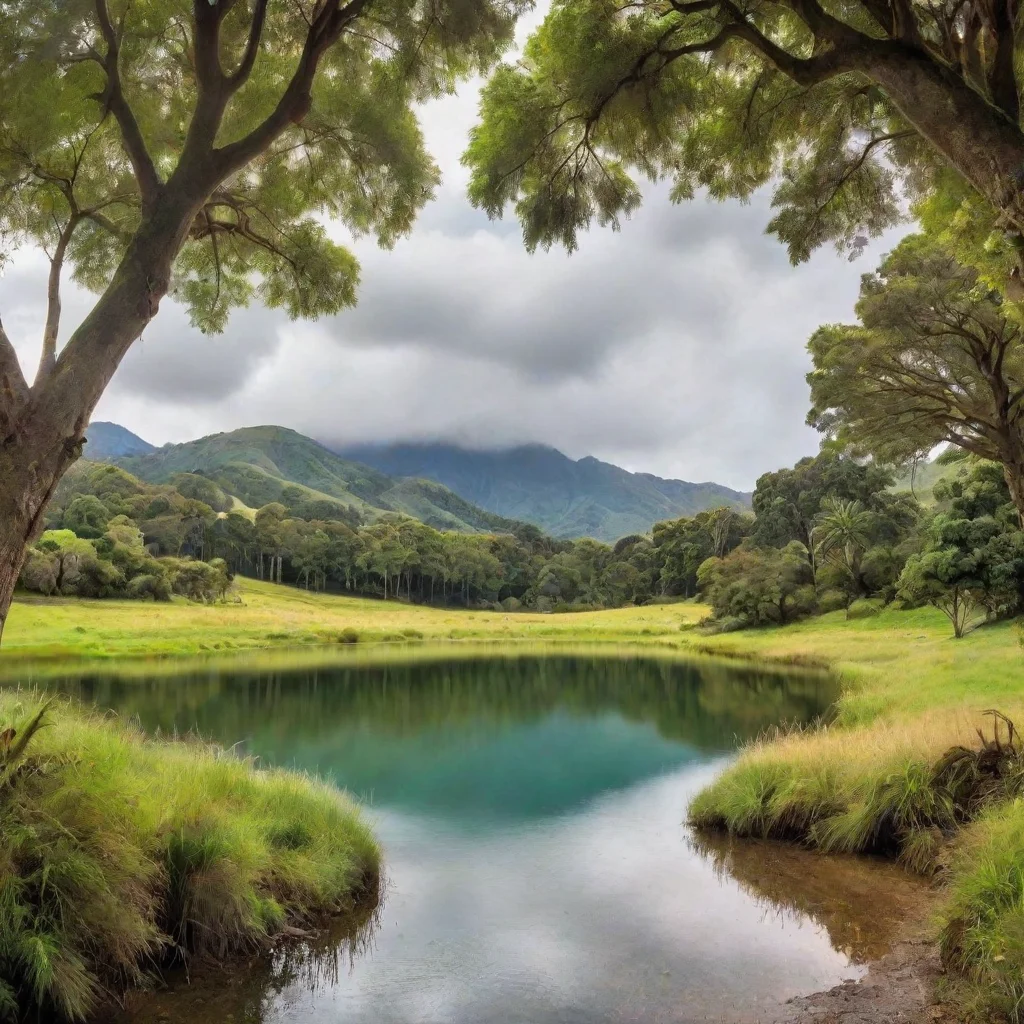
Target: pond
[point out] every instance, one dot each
(539, 870)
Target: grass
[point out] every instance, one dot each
(268, 616)
(118, 853)
(875, 779)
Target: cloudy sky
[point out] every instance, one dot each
(675, 346)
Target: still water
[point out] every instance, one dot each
(539, 870)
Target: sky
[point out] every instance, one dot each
(675, 346)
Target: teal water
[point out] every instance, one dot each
(539, 869)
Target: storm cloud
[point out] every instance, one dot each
(675, 346)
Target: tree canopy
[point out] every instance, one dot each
(846, 108)
(936, 356)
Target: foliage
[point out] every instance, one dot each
(93, 132)
(844, 111)
(975, 555)
(758, 586)
(936, 356)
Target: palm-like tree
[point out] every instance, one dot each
(845, 531)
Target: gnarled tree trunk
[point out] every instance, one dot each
(42, 428)
(30, 470)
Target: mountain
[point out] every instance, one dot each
(258, 465)
(107, 441)
(564, 497)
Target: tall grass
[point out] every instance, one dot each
(118, 853)
(983, 926)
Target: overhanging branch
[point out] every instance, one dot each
(325, 30)
(116, 102)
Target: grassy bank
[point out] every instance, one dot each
(876, 779)
(118, 853)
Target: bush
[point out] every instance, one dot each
(831, 601)
(150, 587)
(758, 585)
(154, 847)
(862, 609)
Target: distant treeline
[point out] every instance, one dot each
(828, 534)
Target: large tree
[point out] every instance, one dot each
(846, 105)
(196, 147)
(937, 356)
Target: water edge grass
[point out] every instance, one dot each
(119, 853)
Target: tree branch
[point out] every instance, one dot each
(1002, 78)
(325, 30)
(48, 359)
(240, 76)
(13, 386)
(131, 135)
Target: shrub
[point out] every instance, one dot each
(862, 609)
(150, 587)
(831, 601)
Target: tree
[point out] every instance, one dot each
(754, 586)
(788, 503)
(843, 535)
(975, 558)
(936, 357)
(844, 107)
(87, 516)
(202, 144)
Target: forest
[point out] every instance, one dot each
(830, 533)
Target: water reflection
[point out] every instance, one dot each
(860, 902)
(539, 872)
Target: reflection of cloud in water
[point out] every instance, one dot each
(606, 915)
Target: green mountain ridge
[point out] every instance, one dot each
(262, 464)
(564, 497)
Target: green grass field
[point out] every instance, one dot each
(266, 616)
(863, 782)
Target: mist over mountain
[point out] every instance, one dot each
(539, 485)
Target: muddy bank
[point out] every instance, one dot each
(898, 988)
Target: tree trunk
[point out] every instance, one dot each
(29, 474)
(1013, 472)
(976, 138)
(42, 429)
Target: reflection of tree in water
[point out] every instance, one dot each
(250, 992)
(708, 705)
(861, 902)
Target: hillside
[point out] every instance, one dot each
(258, 465)
(564, 497)
(106, 441)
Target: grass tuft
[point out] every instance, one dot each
(107, 866)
